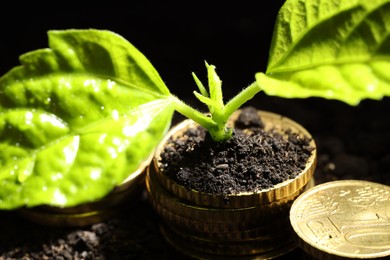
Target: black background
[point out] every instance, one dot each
(177, 37)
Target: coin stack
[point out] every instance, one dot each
(251, 224)
(91, 212)
(346, 219)
(209, 226)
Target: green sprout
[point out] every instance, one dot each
(219, 113)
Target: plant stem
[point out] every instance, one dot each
(217, 123)
(242, 97)
(218, 131)
(192, 113)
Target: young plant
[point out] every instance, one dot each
(216, 123)
(77, 118)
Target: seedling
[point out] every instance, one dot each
(216, 123)
(78, 117)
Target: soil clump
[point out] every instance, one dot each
(252, 160)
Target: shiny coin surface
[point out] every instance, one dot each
(347, 218)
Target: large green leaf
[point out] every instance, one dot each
(333, 49)
(77, 118)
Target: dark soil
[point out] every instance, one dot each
(352, 143)
(252, 160)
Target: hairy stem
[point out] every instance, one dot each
(242, 97)
(219, 132)
(192, 113)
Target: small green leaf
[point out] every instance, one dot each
(215, 85)
(77, 118)
(201, 88)
(331, 49)
(208, 101)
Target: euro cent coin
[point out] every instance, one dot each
(343, 219)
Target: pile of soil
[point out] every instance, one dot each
(253, 159)
(352, 143)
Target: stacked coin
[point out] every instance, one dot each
(199, 230)
(346, 219)
(212, 226)
(129, 191)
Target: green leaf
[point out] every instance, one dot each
(201, 88)
(213, 105)
(331, 49)
(77, 118)
(215, 86)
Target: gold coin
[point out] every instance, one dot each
(87, 213)
(199, 248)
(255, 214)
(346, 218)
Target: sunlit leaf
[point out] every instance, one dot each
(332, 49)
(77, 118)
